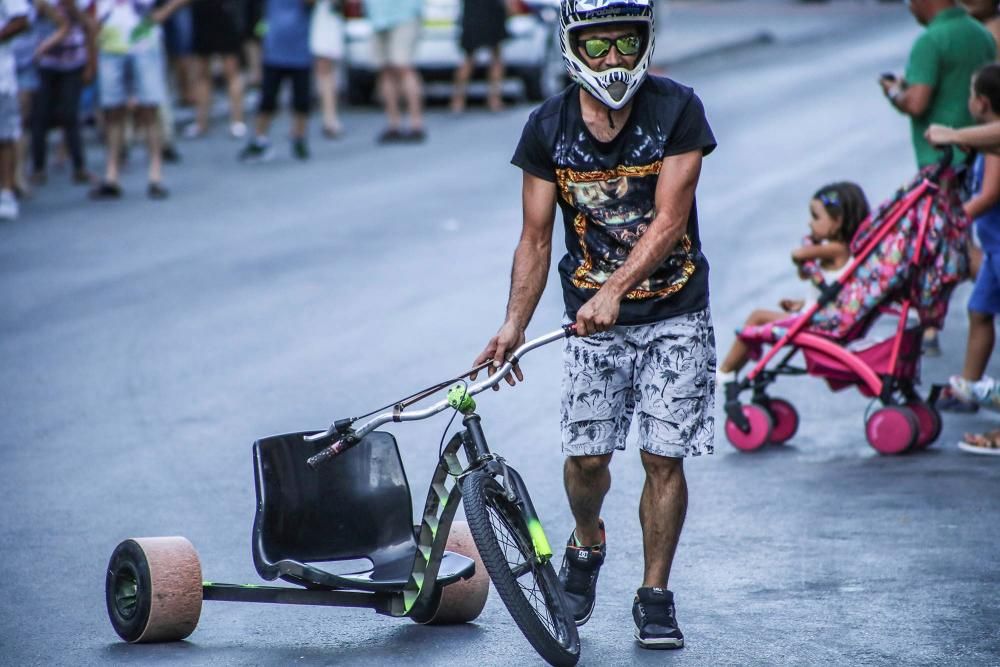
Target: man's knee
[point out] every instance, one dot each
(662, 468)
(588, 465)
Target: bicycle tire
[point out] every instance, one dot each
(499, 530)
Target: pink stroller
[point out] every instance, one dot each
(907, 258)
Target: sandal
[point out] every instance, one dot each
(981, 443)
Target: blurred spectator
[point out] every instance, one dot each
(178, 38)
(286, 56)
(130, 68)
(23, 46)
(484, 25)
(972, 386)
(936, 85)
(218, 30)
(986, 12)
(13, 20)
(935, 88)
(64, 65)
(397, 29)
(253, 27)
(326, 41)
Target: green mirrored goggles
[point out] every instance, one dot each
(598, 47)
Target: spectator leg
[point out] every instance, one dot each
(40, 122)
(69, 88)
(326, 86)
(25, 98)
(149, 119)
(389, 83)
(982, 337)
(495, 97)
(203, 91)
(462, 75)
(413, 91)
(114, 130)
(234, 87)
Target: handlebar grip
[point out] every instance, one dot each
(334, 450)
(570, 330)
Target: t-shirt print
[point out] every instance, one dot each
(615, 209)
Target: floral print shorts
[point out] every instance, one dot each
(664, 372)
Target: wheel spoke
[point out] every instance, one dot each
(520, 560)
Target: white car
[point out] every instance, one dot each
(531, 54)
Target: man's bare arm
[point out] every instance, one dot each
(529, 273)
(674, 195)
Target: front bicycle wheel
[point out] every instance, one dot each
(529, 588)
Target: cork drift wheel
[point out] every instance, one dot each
(462, 601)
(153, 589)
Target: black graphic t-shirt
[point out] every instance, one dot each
(606, 191)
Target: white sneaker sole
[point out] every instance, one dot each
(665, 643)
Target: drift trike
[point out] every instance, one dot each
(327, 500)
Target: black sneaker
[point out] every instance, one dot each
(157, 191)
(656, 619)
(578, 576)
(300, 149)
(256, 151)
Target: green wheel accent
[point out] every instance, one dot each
(538, 540)
(459, 399)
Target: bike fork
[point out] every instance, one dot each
(479, 452)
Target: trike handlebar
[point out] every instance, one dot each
(398, 414)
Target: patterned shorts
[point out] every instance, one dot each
(665, 371)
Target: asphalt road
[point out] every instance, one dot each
(144, 346)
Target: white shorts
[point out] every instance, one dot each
(326, 32)
(397, 45)
(664, 371)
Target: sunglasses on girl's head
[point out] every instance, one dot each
(598, 47)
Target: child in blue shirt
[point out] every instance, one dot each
(973, 387)
(286, 56)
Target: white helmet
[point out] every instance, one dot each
(614, 87)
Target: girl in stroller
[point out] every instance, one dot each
(836, 210)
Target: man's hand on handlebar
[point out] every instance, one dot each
(598, 314)
(509, 338)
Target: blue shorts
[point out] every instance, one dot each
(986, 294)
(138, 76)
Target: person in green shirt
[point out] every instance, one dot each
(936, 85)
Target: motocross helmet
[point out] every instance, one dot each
(613, 87)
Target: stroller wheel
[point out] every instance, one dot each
(928, 423)
(892, 430)
(785, 418)
(758, 432)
